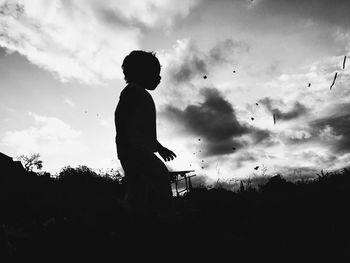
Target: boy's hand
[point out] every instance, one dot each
(166, 154)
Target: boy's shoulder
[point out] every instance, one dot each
(132, 91)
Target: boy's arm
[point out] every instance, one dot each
(165, 153)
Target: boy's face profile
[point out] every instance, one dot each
(153, 80)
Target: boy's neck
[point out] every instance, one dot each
(139, 86)
(135, 84)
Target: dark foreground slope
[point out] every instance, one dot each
(79, 215)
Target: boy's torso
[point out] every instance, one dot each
(135, 121)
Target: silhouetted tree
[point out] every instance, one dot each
(31, 161)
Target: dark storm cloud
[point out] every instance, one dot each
(192, 66)
(339, 122)
(297, 110)
(326, 11)
(214, 118)
(214, 122)
(262, 137)
(195, 63)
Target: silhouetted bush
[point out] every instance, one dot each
(80, 174)
(80, 212)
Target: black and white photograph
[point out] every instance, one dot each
(164, 129)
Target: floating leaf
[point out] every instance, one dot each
(335, 77)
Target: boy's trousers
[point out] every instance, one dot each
(148, 186)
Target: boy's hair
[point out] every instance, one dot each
(139, 64)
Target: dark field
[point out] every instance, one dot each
(79, 215)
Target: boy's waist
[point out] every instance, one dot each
(127, 147)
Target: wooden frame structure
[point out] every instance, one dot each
(178, 176)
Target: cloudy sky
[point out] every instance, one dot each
(61, 78)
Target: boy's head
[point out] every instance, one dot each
(143, 68)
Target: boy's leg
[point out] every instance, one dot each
(161, 193)
(147, 183)
(136, 187)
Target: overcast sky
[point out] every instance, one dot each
(61, 78)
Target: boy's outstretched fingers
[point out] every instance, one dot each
(166, 154)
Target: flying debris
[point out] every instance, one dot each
(344, 62)
(257, 104)
(309, 85)
(234, 71)
(335, 77)
(199, 139)
(252, 118)
(256, 168)
(274, 118)
(204, 77)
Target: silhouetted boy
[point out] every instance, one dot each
(148, 187)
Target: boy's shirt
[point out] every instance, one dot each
(135, 121)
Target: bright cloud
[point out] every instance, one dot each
(83, 40)
(69, 102)
(50, 136)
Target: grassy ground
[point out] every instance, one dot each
(79, 215)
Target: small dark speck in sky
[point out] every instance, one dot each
(257, 104)
(199, 139)
(204, 77)
(234, 71)
(252, 118)
(256, 168)
(309, 85)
